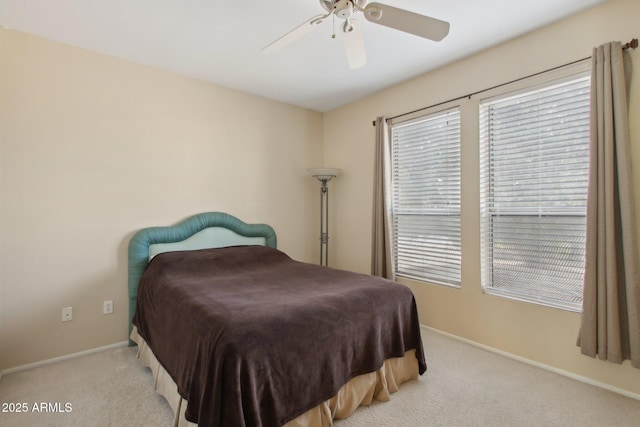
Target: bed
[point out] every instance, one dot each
(236, 333)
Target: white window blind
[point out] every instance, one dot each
(426, 198)
(534, 153)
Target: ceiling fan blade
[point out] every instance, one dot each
(295, 34)
(409, 22)
(353, 44)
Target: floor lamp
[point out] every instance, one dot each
(324, 175)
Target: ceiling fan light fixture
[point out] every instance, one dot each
(343, 9)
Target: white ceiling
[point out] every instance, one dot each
(221, 41)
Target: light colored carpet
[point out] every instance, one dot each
(464, 386)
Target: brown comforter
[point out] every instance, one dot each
(254, 338)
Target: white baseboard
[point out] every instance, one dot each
(438, 331)
(61, 358)
(537, 364)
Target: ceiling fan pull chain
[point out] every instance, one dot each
(333, 22)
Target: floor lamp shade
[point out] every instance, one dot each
(324, 175)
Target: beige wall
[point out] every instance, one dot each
(93, 148)
(534, 332)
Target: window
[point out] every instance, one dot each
(426, 198)
(534, 152)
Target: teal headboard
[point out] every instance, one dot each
(205, 230)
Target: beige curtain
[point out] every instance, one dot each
(610, 326)
(381, 236)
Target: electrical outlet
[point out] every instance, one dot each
(67, 314)
(107, 307)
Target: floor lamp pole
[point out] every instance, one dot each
(324, 175)
(324, 223)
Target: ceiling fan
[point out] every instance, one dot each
(392, 17)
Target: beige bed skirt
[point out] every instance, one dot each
(360, 390)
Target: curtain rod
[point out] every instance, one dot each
(633, 44)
